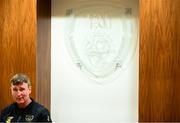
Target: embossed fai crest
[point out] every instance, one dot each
(101, 39)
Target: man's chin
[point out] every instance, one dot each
(20, 101)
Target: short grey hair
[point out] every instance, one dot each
(20, 78)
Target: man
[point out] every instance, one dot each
(25, 109)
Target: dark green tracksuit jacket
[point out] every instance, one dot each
(34, 112)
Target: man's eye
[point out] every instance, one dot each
(21, 89)
(14, 89)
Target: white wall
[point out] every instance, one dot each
(77, 99)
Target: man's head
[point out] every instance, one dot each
(20, 78)
(21, 89)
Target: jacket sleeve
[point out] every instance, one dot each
(44, 116)
(2, 116)
(6, 112)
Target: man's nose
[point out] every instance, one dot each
(18, 93)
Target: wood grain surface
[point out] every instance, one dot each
(17, 44)
(159, 93)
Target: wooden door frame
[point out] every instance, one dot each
(43, 53)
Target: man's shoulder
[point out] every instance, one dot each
(8, 108)
(42, 112)
(39, 107)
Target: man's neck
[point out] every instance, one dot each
(25, 104)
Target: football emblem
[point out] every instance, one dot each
(101, 39)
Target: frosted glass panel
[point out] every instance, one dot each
(101, 38)
(94, 61)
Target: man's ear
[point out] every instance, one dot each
(30, 87)
(10, 87)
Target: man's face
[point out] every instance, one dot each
(21, 92)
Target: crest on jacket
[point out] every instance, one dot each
(29, 117)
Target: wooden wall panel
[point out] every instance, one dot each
(159, 93)
(43, 94)
(17, 44)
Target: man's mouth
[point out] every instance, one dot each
(19, 98)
